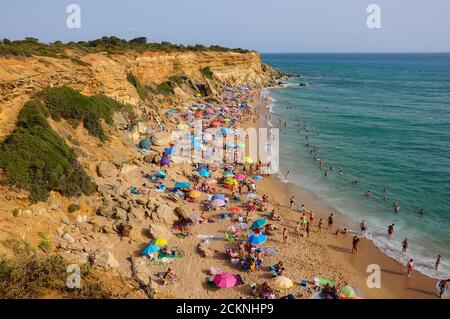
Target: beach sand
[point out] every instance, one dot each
(319, 255)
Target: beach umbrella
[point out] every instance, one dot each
(218, 196)
(160, 174)
(239, 177)
(169, 150)
(204, 173)
(235, 209)
(195, 194)
(159, 242)
(225, 280)
(231, 181)
(165, 160)
(150, 249)
(145, 144)
(217, 203)
(257, 239)
(322, 281)
(257, 177)
(180, 185)
(228, 174)
(282, 282)
(348, 292)
(183, 126)
(215, 123)
(258, 223)
(248, 160)
(207, 137)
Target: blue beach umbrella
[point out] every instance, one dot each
(257, 239)
(204, 173)
(257, 177)
(169, 150)
(150, 249)
(258, 223)
(160, 174)
(218, 196)
(180, 185)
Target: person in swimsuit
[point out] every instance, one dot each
(355, 242)
(410, 267)
(404, 245)
(292, 202)
(438, 261)
(363, 227)
(390, 230)
(319, 226)
(330, 221)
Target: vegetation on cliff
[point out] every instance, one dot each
(32, 46)
(36, 158)
(69, 104)
(31, 275)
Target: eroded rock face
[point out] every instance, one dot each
(159, 231)
(164, 214)
(161, 138)
(106, 169)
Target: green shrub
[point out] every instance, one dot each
(45, 245)
(79, 61)
(69, 104)
(141, 90)
(15, 212)
(36, 158)
(73, 208)
(38, 276)
(166, 88)
(207, 72)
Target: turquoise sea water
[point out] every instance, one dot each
(384, 120)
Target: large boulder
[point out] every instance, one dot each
(140, 271)
(164, 214)
(161, 138)
(148, 158)
(126, 168)
(54, 202)
(106, 169)
(103, 258)
(159, 231)
(106, 210)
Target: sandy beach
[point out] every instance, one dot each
(319, 255)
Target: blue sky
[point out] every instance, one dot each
(267, 26)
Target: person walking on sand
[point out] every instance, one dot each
(330, 221)
(285, 235)
(363, 227)
(311, 218)
(404, 245)
(307, 229)
(410, 267)
(443, 286)
(292, 202)
(298, 229)
(438, 261)
(355, 242)
(390, 231)
(319, 226)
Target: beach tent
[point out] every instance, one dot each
(225, 280)
(145, 144)
(258, 223)
(150, 249)
(349, 292)
(257, 239)
(181, 185)
(282, 282)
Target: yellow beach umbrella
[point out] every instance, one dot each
(231, 181)
(183, 126)
(282, 282)
(248, 160)
(195, 194)
(160, 242)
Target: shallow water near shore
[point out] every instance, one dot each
(380, 119)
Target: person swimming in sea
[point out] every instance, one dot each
(354, 182)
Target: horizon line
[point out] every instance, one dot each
(356, 52)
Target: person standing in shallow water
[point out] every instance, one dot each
(410, 267)
(390, 231)
(438, 261)
(363, 227)
(404, 245)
